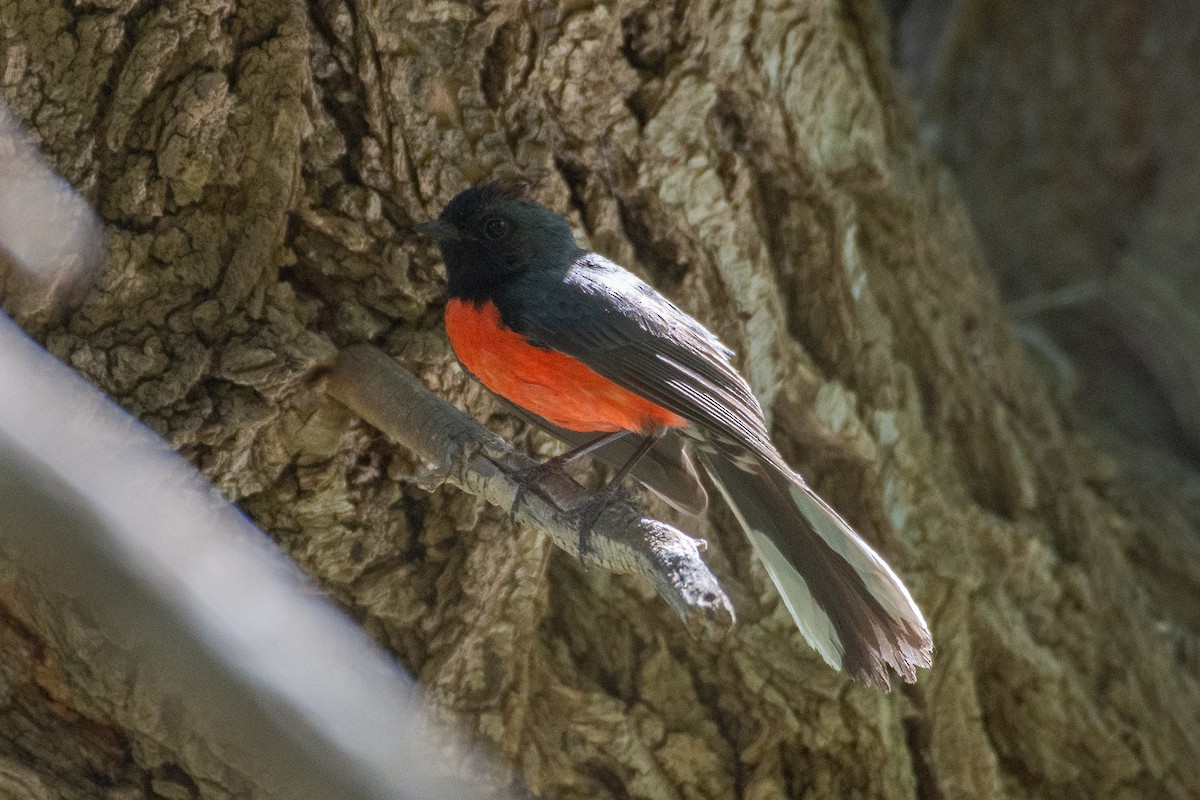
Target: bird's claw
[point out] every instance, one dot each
(585, 514)
(531, 479)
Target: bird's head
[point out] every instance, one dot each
(491, 234)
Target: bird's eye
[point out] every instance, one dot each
(496, 228)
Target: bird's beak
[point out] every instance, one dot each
(438, 229)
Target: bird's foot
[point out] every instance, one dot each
(532, 480)
(584, 513)
(587, 513)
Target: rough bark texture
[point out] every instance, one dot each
(258, 164)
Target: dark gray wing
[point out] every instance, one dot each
(618, 325)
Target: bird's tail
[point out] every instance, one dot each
(845, 599)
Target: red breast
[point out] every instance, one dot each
(555, 386)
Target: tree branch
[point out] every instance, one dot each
(468, 455)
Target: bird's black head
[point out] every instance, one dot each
(490, 235)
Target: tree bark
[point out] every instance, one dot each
(258, 166)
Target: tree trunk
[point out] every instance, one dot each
(258, 166)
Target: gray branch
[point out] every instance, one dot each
(623, 540)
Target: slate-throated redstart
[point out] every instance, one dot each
(595, 355)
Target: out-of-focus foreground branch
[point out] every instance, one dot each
(51, 241)
(258, 669)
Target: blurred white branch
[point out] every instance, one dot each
(47, 230)
(273, 678)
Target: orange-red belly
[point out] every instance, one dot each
(552, 385)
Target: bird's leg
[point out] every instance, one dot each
(559, 461)
(589, 511)
(529, 478)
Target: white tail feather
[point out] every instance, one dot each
(813, 622)
(883, 584)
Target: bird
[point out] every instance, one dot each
(585, 349)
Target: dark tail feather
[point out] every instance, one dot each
(845, 599)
